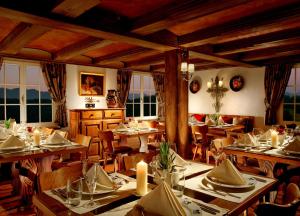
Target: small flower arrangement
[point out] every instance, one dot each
(166, 161)
(7, 123)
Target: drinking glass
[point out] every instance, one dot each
(91, 182)
(178, 181)
(289, 133)
(216, 148)
(74, 192)
(257, 133)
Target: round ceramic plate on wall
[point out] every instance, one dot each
(236, 83)
(194, 86)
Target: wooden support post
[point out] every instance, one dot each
(171, 77)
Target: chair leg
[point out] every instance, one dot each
(105, 160)
(195, 153)
(207, 156)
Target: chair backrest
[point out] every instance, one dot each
(202, 130)
(83, 140)
(290, 208)
(59, 178)
(107, 137)
(131, 161)
(64, 134)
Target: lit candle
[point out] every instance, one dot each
(209, 84)
(220, 83)
(274, 138)
(141, 178)
(36, 137)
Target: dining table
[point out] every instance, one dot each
(141, 133)
(209, 201)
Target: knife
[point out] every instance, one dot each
(202, 206)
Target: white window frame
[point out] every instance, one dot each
(142, 117)
(23, 85)
(294, 103)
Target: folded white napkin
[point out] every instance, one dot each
(121, 126)
(178, 160)
(56, 138)
(161, 201)
(104, 182)
(266, 135)
(293, 145)
(12, 141)
(227, 173)
(253, 140)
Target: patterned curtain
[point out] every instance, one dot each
(55, 78)
(159, 85)
(276, 80)
(123, 85)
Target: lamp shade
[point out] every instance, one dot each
(184, 67)
(191, 68)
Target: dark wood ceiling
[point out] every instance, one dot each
(135, 34)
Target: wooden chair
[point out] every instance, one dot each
(115, 152)
(292, 198)
(223, 141)
(131, 161)
(59, 178)
(200, 140)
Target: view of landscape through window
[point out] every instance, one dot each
(23, 94)
(291, 103)
(141, 100)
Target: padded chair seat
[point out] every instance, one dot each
(122, 149)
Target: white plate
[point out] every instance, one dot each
(290, 152)
(250, 183)
(13, 148)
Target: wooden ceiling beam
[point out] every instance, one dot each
(81, 47)
(73, 26)
(244, 28)
(157, 67)
(74, 8)
(179, 11)
(119, 55)
(156, 59)
(260, 42)
(20, 36)
(271, 53)
(219, 59)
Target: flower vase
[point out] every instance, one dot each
(111, 99)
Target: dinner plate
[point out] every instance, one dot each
(98, 191)
(12, 148)
(250, 183)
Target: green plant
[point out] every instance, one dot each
(166, 161)
(7, 123)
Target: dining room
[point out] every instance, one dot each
(161, 107)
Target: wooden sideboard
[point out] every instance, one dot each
(90, 121)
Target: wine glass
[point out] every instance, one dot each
(216, 149)
(257, 133)
(91, 182)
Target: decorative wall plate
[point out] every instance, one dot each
(194, 86)
(236, 83)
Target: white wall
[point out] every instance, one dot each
(73, 100)
(248, 101)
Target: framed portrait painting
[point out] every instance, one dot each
(91, 84)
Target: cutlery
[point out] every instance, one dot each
(202, 207)
(259, 179)
(222, 193)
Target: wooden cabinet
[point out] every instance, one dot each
(90, 121)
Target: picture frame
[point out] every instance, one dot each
(91, 84)
(236, 83)
(195, 86)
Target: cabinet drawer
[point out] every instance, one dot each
(113, 113)
(91, 114)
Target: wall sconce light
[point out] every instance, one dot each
(186, 69)
(217, 91)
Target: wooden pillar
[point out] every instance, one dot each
(171, 99)
(176, 103)
(182, 116)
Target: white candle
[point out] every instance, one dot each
(208, 84)
(141, 178)
(36, 137)
(274, 138)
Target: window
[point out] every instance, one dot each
(141, 100)
(23, 93)
(291, 102)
